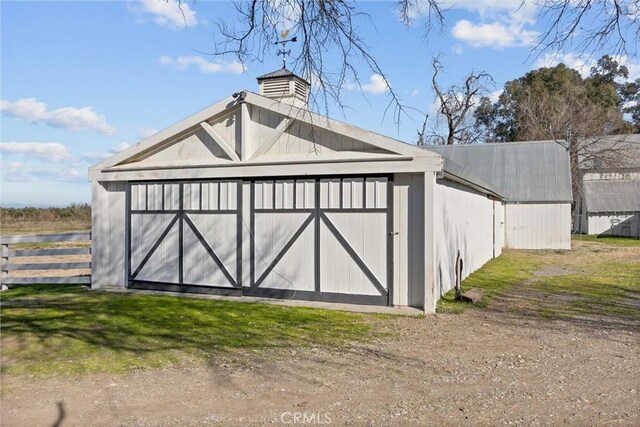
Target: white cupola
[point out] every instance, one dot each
(283, 85)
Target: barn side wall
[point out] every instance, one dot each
(538, 226)
(108, 234)
(498, 227)
(611, 224)
(409, 242)
(464, 221)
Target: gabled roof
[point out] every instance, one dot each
(455, 172)
(221, 136)
(282, 72)
(614, 195)
(525, 172)
(611, 153)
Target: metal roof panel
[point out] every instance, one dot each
(531, 171)
(620, 195)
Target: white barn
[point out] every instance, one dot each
(258, 196)
(535, 179)
(609, 201)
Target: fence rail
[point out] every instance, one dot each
(8, 253)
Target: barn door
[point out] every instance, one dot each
(185, 236)
(322, 239)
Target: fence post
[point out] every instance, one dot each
(5, 261)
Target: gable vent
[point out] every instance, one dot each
(275, 88)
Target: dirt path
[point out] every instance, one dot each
(504, 364)
(482, 367)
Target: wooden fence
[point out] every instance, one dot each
(8, 252)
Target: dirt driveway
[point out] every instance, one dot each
(498, 365)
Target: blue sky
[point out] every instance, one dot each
(81, 80)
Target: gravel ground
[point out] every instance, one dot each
(483, 367)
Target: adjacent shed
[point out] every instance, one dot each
(534, 178)
(258, 196)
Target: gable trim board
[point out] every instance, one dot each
(294, 154)
(293, 114)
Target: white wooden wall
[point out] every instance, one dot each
(273, 230)
(411, 263)
(409, 243)
(108, 234)
(498, 227)
(624, 225)
(538, 226)
(302, 138)
(464, 221)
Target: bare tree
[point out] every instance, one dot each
(455, 105)
(590, 24)
(332, 47)
(573, 118)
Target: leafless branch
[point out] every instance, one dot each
(589, 25)
(455, 103)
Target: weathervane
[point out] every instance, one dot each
(284, 52)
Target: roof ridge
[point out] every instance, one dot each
(493, 144)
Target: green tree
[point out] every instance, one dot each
(553, 103)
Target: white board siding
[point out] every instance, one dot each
(108, 236)
(229, 127)
(538, 226)
(623, 225)
(464, 221)
(198, 145)
(145, 231)
(263, 124)
(162, 266)
(302, 138)
(498, 227)
(409, 240)
(366, 234)
(220, 232)
(296, 269)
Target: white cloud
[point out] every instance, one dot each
(583, 63)
(495, 34)
(18, 171)
(580, 63)
(50, 151)
(495, 95)
(376, 85)
(488, 23)
(415, 92)
(184, 62)
(94, 156)
(119, 147)
(145, 133)
(34, 111)
(166, 13)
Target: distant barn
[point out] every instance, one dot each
(258, 196)
(609, 202)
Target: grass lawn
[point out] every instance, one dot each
(495, 277)
(598, 276)
(48, 329)
(607, 240)
(51, 329)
